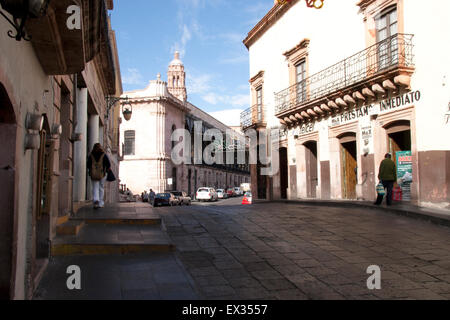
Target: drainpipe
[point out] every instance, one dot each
(75, 104)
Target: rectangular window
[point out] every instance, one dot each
(129, 145)
(259, 103)
(300, 70)
(387, 28)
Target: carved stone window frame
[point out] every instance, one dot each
(373, 9)
(256, 83)
(295, 56)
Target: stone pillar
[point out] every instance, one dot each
(94, 130)
(80, 152)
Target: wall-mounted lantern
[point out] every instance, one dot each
(127, 108)
(21, 10)
(34, 123)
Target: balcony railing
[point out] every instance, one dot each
(253, 116)
(393, 52)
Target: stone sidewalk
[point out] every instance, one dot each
(293, 251)
(156, 276)
(123, 252)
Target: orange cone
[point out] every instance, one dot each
(246, 201)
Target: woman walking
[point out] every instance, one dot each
(98, 165)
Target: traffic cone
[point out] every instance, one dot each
(246, 201)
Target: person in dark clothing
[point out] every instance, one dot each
(387, 176)
(98, 165)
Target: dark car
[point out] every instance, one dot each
(165, 199)
(182, 197)
(231, 193)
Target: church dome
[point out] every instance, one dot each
(176, 61)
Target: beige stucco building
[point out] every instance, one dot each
(158, 111)
(52, 110)
(346, 84)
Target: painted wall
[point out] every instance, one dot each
(336, 31)
(27, 95)
(430, 24)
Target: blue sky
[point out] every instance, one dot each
(208, 34)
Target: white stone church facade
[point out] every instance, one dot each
(146, 143)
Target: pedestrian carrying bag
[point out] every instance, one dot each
(110, 176)
(97, 172)
(380, 189)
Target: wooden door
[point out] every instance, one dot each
(311, 169)
(349, 170)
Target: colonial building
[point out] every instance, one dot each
(346, 84)
(53, 84)
(158, 111)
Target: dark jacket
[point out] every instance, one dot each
(388, 170)
(106, 163)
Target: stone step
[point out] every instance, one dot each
(106, 239)
(70, 228)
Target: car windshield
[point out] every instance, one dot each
(176, 193)
(219, 190)
(163, 195)
(203, 190)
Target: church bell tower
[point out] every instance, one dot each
(176, 78)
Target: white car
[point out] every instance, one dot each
(206, 194)
(221, 194)
(238, 191)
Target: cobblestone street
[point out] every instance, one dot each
(289, 251)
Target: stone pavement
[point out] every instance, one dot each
(123, 253)
(293, 251)
(283, 251)
(155, 276)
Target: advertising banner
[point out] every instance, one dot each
(404, 172)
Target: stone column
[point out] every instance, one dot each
(80, 153)
(94, 132)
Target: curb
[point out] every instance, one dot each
(415, 213)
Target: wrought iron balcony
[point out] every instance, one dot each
(253, 116)
(388, 55)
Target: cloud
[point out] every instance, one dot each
(237, 100)
(198, 84)
(229, 117)
(235, 60)
(132, 77)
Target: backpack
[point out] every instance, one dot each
(97, 172)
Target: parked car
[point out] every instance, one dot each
(206, 194)
(182, 197)
(221, 194)
(231, 193)
(165, 199)
(238, 191)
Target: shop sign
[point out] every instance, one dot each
(352, 115)
(304, 129)
(367, 139)
(404, 172)
(400, 101)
